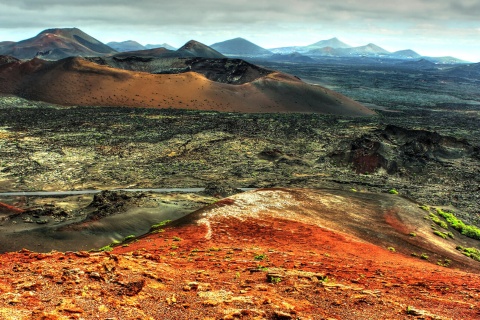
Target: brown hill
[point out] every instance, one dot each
(7, 59)
(75, 81)
(56, 44)
(191, 49)
(266, 254)
(197, 49)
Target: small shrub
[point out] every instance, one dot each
(471, 232)
(444, 263)
(275, 280)
(262, 268)
(260, 257)
(106, 248)
(472, 253)
(177, 238)
(457, 224)
(440, 234)
(393, 191)
(159, 225)
(130, 237)
(412, 234)
(424, 256)
(438, 222)
(391, 249)
(426, 208)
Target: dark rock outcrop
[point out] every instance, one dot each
(395, 149)
(111, 202)
(220, 189)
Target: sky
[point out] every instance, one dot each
(430, 27)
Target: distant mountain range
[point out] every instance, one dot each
(130, 45)
(189, 50)
(125, 46)
(330, 43)
(336, 48)
(240, 47)
(163, 45)
(54, 44)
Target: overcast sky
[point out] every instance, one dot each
(430, 27)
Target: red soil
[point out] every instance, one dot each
(76, 81)
(212, 266)
(10, 209)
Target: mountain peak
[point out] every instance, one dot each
(406, 54)
(125, 46)
(333, 43)
(57, 43)
(59, 30)
(373, 48)
(163, 45)
(239, 47)
(193, 44)
(64, 32)
(194, 48)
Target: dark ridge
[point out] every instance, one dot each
(101, 48)
(224, 70)
(7, 59)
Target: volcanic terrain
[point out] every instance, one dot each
(265, 254)
(56, 44)
(76, 81)
(346, 217)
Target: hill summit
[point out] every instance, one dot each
(125, 46)
(56, 44)
(332, 43)
(239, 47)
(197, 49)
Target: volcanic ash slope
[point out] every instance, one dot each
(75, 81)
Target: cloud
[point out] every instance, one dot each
(270, 21)
(215, 12)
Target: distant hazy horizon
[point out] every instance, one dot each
(440, 28)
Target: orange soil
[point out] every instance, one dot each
(79, 82)
(213, 268)
(10, 209)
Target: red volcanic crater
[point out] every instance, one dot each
(266, 254)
